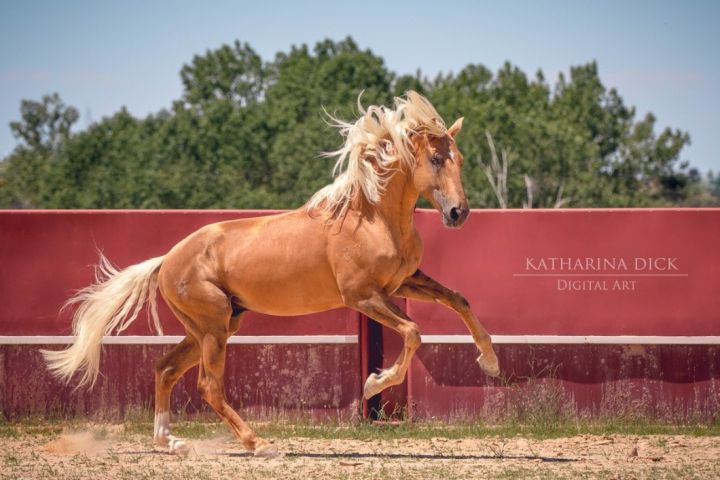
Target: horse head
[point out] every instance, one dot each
(410, 138)
(437, 174)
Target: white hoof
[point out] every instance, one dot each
(489, 366)
(267, 450)
(177, 446)
(372, 386)
(163, 438)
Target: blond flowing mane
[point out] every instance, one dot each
(375, 146)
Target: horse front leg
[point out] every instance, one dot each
(379, 306)
(421, 287)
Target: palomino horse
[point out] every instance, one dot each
(352, 245)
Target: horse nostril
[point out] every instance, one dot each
(455, 213)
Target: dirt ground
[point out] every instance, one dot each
(87, 454)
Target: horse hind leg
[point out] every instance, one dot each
(211, 317)
(168, 371)
(210, 385)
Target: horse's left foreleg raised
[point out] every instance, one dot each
(421, 287)
(377, 305)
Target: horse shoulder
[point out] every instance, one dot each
(415, 250)
(372, 255)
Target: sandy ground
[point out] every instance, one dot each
(85, 455)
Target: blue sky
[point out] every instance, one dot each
(101, 55)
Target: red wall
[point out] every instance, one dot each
(46, 255)
(483, 259)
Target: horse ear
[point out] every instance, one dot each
(456, 127)
(372, 160)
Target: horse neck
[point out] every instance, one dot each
(397, 203)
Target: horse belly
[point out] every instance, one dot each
(286, 295)
(285, 279)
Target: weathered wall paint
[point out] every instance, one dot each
(495, 261)
(45, 255)
(299, 380)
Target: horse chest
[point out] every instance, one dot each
(403, 263)
(374, 255)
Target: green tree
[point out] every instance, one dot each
(578, 139)
(44, 129)
(247, 134)
(234, 73)
(304, 83)
(45, 124)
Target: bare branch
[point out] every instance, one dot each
(559, 200)
(505, 162)
(496, 187)
(496, 171)
(529, 186)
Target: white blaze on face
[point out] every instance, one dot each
(452, 155)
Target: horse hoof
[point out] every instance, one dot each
(491, 368)
(267, 450)
(372, 386)
(179, 447)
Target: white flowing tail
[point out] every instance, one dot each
(111, 303)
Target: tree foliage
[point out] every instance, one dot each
(247, 134)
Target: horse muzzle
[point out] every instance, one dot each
(454, 213)
(455, 216)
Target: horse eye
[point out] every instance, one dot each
(437, 160)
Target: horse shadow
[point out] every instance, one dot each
(387, 456)
(408, 456)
